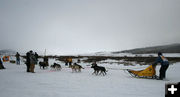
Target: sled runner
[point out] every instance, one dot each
(149, 72)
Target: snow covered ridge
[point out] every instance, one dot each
(171, 48)
(131, 55)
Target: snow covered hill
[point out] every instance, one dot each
(7, 52)
(171, 48)
(15, 82)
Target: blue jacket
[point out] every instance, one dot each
(163, 61)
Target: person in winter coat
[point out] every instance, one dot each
(78, 61)
(70, 61)
(46, 60)
(32, 61)
(1, 65)
(17, 58)
(37, 56)
(66, 62)
(28, 61)
(164, 65)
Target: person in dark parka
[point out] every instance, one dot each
(17, 58)
(28, 61)
(46, 60)
(37, 56)
(164, 65)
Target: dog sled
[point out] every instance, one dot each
(149, 73)
(5, 58)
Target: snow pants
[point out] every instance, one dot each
(162, 71)
(18, 61)
(28, 67)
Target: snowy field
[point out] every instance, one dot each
(16, 82)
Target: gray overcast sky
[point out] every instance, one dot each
(84, 26)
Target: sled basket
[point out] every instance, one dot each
(149, 72)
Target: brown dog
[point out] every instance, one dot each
(76, 68)
(43, 64)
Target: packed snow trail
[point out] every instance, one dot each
(16, 82)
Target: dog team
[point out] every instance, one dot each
(32, 59)
(98, 70)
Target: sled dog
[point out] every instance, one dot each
(76, 68)
(56, 66)
(99, 70)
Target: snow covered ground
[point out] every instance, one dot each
(16, 82)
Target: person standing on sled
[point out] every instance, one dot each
(164, 65)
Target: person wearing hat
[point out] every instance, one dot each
(164, 65)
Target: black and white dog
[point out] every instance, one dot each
(56, 66)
